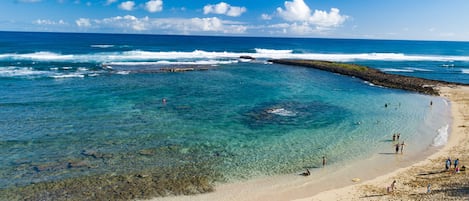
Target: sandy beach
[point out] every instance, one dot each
(412, 181)
(412, 178)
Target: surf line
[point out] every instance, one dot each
(374, 76)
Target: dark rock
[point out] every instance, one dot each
(247, 57)
(147, 152)
(374, 76)
(78, 164)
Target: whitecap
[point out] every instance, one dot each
(123, 72)
(396, 70)
(13, 71)
(102, 46)
(75, 75)
(150, 56)
(272, 51)
(465, 71)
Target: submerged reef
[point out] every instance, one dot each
(163, 181)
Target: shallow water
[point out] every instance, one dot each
(80, 109)
(225, 117)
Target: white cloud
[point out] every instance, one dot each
(109, 2)
(167, 25)
(295, 10)
(127, 5)
(128, 21)
(83, 22)
(325, 19)
(266, 17)
(303, 22)
(223, 8)
(49, 22)
(153, 6)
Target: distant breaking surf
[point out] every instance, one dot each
(140, 55)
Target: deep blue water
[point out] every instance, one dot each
(64, 96)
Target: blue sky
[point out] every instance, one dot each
(369, 19)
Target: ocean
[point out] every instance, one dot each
(76, 105)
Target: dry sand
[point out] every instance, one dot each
(412, 179)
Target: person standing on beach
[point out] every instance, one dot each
(402, 146)
(456, 163)
(448, 164)
(393, 137)
(392, 187)
(323, 161)
(397, 147)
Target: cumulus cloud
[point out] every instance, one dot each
(83, 22)
(295, 10)
(167, 25)
(154, 6)
(127, 5)
(223, 8)
(304, 21)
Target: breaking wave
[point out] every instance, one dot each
(139, 55)
(442, 137)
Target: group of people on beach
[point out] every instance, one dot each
(398, 146)
(456, 165)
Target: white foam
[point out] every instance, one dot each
(37, 56)
(271, 51)
(419, 69)
(282, 112)
(446, 102)
(396, 70)
(123, 72)
(447, 65)
(245, 60)
(139, 55)
(166, 62)
(21, 72)
(102, 46)
(442, 137)
(74, 75)
(465, 71)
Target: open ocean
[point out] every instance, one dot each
(84, 105)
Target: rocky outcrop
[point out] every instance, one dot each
(374, 76)
(247, 57)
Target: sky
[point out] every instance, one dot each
(446, 20)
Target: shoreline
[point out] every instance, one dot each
(373, 182)
(412, 181)
(408, 176)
